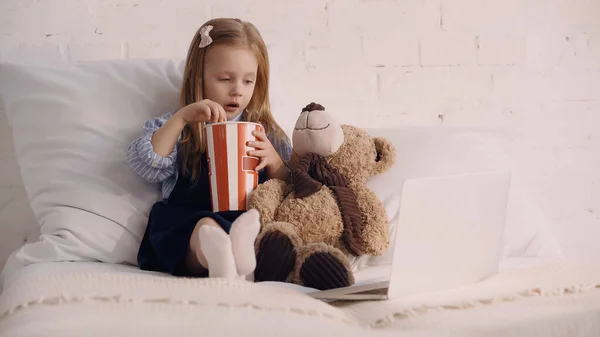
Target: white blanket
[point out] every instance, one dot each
(525, 295)
(555, 300)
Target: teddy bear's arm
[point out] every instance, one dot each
(267, 197)
(375, 233)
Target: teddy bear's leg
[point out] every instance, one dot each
(322, 267)
(276, 252)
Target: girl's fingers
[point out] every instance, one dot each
(258, 145)
(202, 114)
(215, 113)
(261, 165)
(260, 135)
(259, 153)
(223, 114)
(213, 117)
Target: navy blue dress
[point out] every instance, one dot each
(171, 223)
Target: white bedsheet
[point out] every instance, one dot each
(373, 274)
(90, 299)
(530, 297)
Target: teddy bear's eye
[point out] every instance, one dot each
(378, 157)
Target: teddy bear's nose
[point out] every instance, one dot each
(313, 106)
(313, 117)
(316, 131)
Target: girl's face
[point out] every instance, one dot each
(230, 77)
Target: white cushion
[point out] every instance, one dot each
(72, 124)
(437, 150)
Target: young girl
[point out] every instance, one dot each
(226, 78)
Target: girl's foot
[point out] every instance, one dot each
(243, 234)
(216, 247)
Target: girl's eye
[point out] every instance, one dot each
(225, 79)
(249, 81)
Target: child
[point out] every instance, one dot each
(226, 78)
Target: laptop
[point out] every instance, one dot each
(449, 234)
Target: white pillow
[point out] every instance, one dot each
(72, 124)
(436, 150)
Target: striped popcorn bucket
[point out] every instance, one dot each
(231, 170)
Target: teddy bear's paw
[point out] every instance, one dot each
(276, 257)
(326, 269)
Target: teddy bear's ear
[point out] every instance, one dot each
(386, 155)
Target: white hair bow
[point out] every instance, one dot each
(205, 39)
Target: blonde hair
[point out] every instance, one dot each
(232, 32)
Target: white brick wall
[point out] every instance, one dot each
(528, 67)
(448, 49)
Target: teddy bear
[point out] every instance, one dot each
(312, 226)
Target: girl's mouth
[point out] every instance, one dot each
(231, 107)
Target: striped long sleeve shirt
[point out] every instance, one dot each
(154, 168)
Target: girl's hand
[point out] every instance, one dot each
(264, 150)
(203, 111)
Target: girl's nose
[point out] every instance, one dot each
(236, 90)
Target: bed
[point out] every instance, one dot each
(79, 276)
(528, 297)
